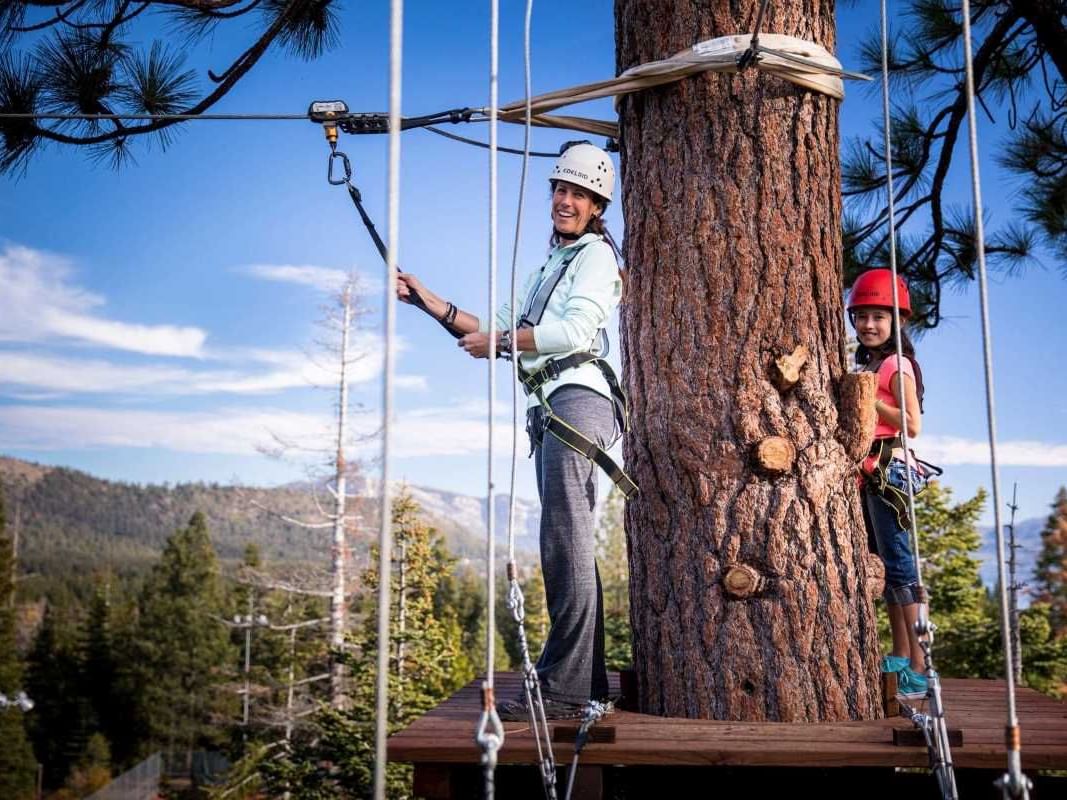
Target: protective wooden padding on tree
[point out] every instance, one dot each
(731, 191)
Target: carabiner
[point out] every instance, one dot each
(348, 168)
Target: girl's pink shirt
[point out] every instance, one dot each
(887, 393)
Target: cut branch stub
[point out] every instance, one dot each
(775, 455)
(786, 370)
(741, 581)
(856, 415)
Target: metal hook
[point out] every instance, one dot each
(334, 155)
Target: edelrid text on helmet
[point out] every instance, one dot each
(874, 288)
(588, 166)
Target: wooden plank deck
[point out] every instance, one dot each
(444, 736)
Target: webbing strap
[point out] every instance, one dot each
(578, 441)
(536, 304)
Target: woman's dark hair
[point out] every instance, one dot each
(872, 357)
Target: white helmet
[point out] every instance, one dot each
(588, 166)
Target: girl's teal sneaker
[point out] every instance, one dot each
(911, 684)
(894, 663)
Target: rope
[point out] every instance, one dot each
(933, 725)
(516, 602)
(490, 732)
(594, 712)
(799, 61)
(511, 150)
(385, 542)
(1014, 783)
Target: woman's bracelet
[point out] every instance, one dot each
(450, 314)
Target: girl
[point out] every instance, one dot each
(558, 343)
(870, 307)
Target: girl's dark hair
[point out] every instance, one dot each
(872, 358)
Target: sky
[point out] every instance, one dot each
(159, 323)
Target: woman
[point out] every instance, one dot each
(566, 305)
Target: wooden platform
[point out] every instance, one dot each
(444, 737)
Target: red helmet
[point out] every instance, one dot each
(875, 288)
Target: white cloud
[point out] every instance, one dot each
(231, 431)
(444, 431)
(952, 450)
(40, 302)
(253, 372)
(325, 279)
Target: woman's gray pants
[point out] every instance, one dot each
(571, 666)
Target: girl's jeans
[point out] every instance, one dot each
(894, 542)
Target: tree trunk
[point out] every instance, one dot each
(731, 191)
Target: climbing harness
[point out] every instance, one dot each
(875, 470)
(933, 725)
(1014, 783)
(593, 713)
(534, 383)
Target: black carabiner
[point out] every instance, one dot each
(348, 168)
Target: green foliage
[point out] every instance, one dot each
(1050, 573)
(1021, 85)
(424, 644)
(17, 764)
(613, 564)
(949, 540)
(181, 648)
(1044, 653)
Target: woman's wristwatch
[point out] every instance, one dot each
(503, 345)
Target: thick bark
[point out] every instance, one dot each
(731, 191)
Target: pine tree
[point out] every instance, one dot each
(1050, 573)
(17, 764)
(424, 646)
(615, 576)
(949, 540)
(182, 649)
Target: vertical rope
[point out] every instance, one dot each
(887, 147)
(490, 733)
(1014, 782)
(514, 285)
(933, 725)
(494, 100)
(385, 542)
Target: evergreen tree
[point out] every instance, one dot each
(614, 569)
(423, 648)
(1020, 71)
(182, 649)
(17, 764)
(949, 540)
(1050, 573)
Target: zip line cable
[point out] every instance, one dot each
(933, 725)
(385, 538)
(490, 732)
(1014, 783)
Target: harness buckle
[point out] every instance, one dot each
(552, 369)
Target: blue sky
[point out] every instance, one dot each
(156, 322)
